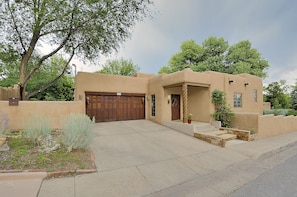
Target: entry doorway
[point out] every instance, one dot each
(175, 107)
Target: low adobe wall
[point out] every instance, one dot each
(246, 121)
(270, 125)
(54, 109)
(9, 92)
(265, 125)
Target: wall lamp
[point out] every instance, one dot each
(246, 84)
(168, 98)
(231, 81)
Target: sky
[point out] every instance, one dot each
(270, 25)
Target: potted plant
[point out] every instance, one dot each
(189, 118)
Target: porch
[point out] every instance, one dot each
(211, 132)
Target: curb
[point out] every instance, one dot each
(274, 151)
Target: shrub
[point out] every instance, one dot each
(77, 131)
(37, 126)
(3, 122)
(223, 111)
(276, 112)
(292, 113)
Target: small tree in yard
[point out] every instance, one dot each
(85, 28)
(223, 112)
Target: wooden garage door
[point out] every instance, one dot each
(111, 107)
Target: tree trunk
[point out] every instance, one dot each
(22, 79)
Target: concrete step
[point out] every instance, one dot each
(218, 132)
(227, 136)
(205, 128)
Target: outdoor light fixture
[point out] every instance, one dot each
(246, 84)
(168, 98)
(231, 81)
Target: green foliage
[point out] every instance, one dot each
(216, 55)
(277, 112)
(223, 111)
(86, 29)
(119, 67)
(77, 131)
(281, 112)
(294, 96)
(3, 122)
(36, 126)
(276, 94)
(292, 113)
(61, 90)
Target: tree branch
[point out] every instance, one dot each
(16, 27)
(53, 81)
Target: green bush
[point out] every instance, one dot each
(276, 112)
(292, 112)
(223, 111)
(77, 131)
(37, 125)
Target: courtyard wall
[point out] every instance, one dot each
(265, 125)
(56, 110)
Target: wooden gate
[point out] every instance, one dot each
(112, 107)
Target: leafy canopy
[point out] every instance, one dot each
(119, 67)
(85, 28)
(216, 55)
(294, 96)
(277, 94)
(61, 90)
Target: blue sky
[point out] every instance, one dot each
(270, 25)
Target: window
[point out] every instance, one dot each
(237, 100)
(153, 105)
(255, 96)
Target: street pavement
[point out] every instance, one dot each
(142, 158)
(278, 181)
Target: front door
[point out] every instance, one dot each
(175, 107)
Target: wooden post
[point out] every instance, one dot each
(185, 102)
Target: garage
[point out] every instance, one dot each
(107, 107)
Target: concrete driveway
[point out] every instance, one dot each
(137, 158)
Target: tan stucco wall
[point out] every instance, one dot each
(54, 109)
(95, 82)
(167, 109)
(270, 125)
(246, 121)
(9, 92)
(199, 100)
(200, 86)
(154, 88)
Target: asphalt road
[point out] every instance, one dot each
(278, 181)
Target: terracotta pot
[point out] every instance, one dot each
(189, 121)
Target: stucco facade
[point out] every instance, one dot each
(187, 91)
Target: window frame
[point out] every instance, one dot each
(255, 95)
(237, 100)
(153, 105)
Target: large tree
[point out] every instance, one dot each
(86, 28)
(293, 95)
(277, 94)
(119, 67)
(216, 55)
(61, 90)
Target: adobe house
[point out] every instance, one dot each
(165, 97)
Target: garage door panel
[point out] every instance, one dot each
(112, 107)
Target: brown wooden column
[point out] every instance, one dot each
(185, 102)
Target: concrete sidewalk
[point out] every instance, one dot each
(141, 158)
